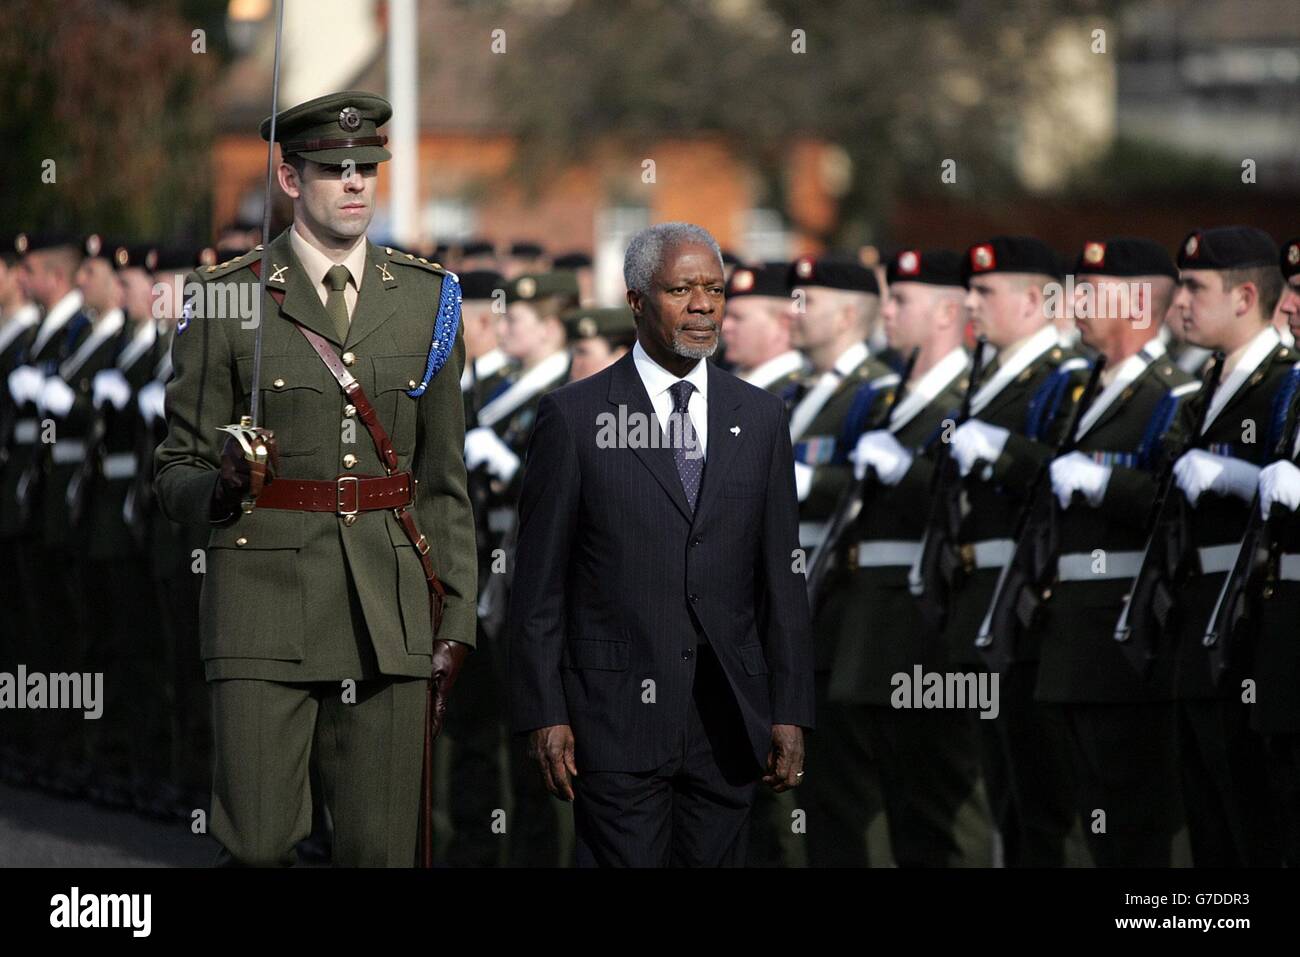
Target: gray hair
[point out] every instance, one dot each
(645, 253)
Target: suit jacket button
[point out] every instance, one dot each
(349, 460)
(694, 597)
(241, 542)
(686, 654)
(349, 358)
(695, 541)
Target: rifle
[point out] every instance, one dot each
(931, 577)
(1020, 590)
(84, 479)
(850, 503)
(1258, 543)
(1164, 553)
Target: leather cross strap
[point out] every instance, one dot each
(346, 495)
(384, 447)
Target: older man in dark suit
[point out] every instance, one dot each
(660, 653)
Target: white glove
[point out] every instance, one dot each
(1078, 473)
(977, 441)
(884, 453)
(1198, 472)
(109, 385)
(1279, 484)
(803, 479)
(483, 447)
(56, 396)
(25, 384)
(153, 401)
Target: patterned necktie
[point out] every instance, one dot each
(335, 303)
(687, 452)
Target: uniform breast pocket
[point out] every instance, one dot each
(394, 377)
(293, 400)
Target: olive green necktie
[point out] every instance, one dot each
(335, 303)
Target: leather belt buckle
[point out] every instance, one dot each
(339, 494)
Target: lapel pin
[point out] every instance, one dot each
(735, 430)
(277, 272)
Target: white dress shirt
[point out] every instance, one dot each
(658, 380)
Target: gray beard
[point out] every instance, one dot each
(694, 352)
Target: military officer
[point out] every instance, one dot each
(1016, 415)
(486, 365)
(313, 639)
(756, 330)
(533, 337)
(1276, 716)
(834, 304)
(598, 337)
(928, 759)
(49, 272)
(1229, 284)
(19, 318)
(1119, 727)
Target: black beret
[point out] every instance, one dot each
(729, 258)
(1125, 256)
(440, 252)
(135, 256)
(1019, 254)
(477, 247)
(935, 267)
(480, 283)
(1227, 247)
(527, 250)
(35, 242)
(1290, 259)
(766, 279)
(176, 258)
(834, 272)
(573, 260)
(534, 286)
(608, 321)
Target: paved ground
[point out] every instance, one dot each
(43, 830)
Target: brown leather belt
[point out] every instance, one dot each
(346, 495)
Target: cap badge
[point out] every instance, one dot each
(981, 258)
(742, 280)
(350, 119)
(1193, 245)
(121, 256)
(527, 287)
(20, 243)
(909, 263)
(804, 268)
(586, 327)
(1094, 254)
(1293, 254)
(93, 244)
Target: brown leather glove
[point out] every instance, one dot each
(448, 656)
(239, 478)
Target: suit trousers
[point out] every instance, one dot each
(691, 812)
(369, 754)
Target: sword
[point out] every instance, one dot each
(250, 438)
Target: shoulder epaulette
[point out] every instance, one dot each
(230, 265)
(410, 259)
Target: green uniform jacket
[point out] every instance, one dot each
(296, 596)
(997, 493)
(824, 445)
(880, 631)
(1080, 661)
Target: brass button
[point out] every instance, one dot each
(349, 460)
(411, 383)
(349, 520)
(278, 383)
(349, 359)
(349, 410)
(241, 542)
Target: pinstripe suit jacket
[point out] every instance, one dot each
(616, 581)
